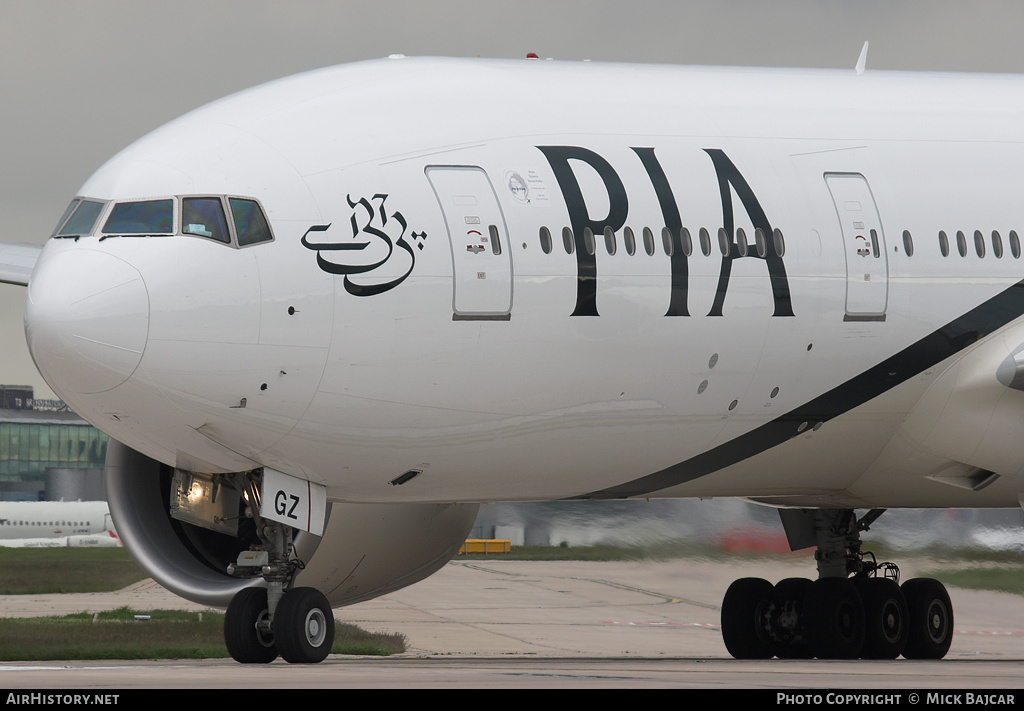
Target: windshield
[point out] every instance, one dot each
(233, 221)
(250, 224)
(147, 217)
(204, 216)
(82, 218)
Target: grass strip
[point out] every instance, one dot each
(681, 550)
(667, 550)
(1009, 580)
(36, 571)
(167, 634)
(54, 570)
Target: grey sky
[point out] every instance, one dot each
(81, 80)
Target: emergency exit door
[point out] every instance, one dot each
(867, 267)
(481, 253)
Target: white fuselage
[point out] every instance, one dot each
(381, 332)
(52, 519)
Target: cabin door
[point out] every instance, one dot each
(481, 253)
(867, 267)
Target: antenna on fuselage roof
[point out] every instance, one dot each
(863, 59)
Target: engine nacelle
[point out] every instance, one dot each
(367, 550)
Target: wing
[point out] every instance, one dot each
(17, 262)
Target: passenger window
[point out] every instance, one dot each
(1014, 244)
(250, 224)
(943, 243)
(979, 243)
(760, 242)
(961, 243)
(545, 240)
(588, 241)
(648, 241)
(705, 242)
(997, 245)
(780, 242)
(83, 220)
(568, 241)
(146, 217)
(609, 239)
(204, 217)
(741, 242)
(495, 239)
(666, 241)
(629, 241)
(908, 243)
(686, 241)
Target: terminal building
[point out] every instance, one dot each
(47, 452)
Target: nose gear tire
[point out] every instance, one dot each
(247, 643)
(304, 626)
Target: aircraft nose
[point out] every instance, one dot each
(86, 320)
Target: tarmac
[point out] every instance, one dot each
(512, 624)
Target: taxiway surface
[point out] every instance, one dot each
(505, 624)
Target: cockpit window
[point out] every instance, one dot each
(234, 221)
(83, 216)
(146, 217)
(204, 216)
(250, 224)
(66, 215)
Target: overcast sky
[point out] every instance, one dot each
(81, 80)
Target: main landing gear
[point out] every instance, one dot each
(856, 607)
(261, 623)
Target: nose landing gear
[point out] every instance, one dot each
(296, 623)
(301, 629)
(848, 612)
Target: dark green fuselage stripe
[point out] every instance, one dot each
(911, 361)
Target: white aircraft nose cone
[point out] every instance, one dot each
(86, 320)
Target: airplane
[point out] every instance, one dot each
(56, 524)
(323, 319)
